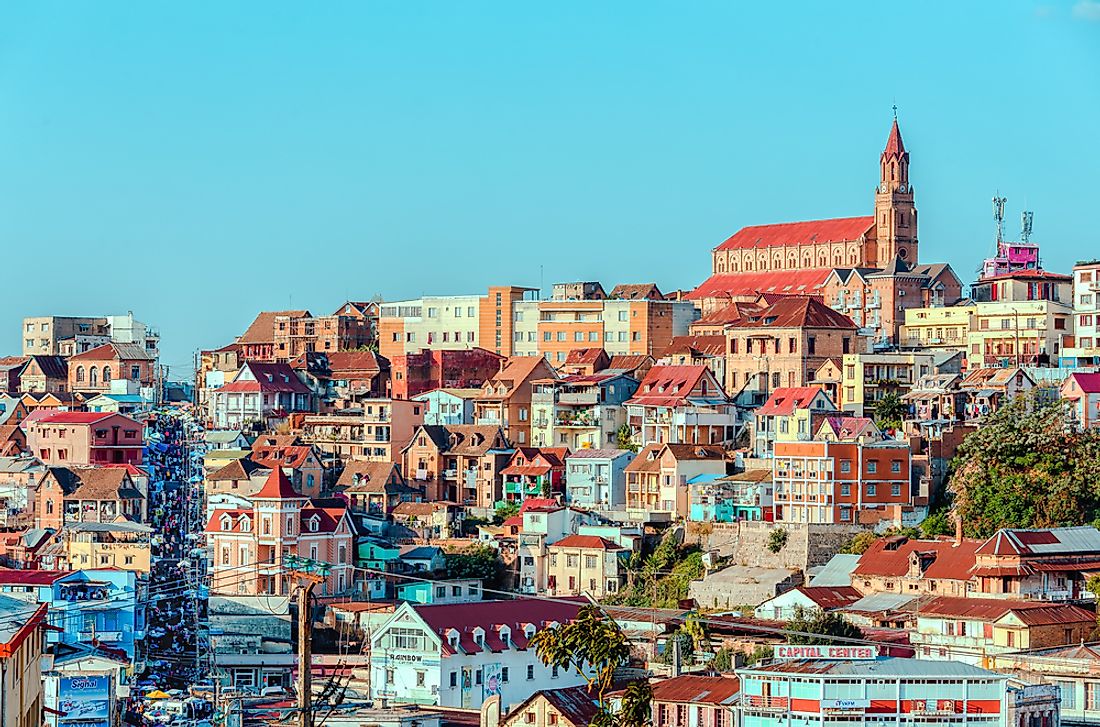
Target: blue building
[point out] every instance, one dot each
(596, 478)
(447, 407)
(731, 498)
(85, 605)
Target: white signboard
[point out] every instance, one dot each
(845, 704)
(801, 651)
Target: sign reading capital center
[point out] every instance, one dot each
(800, 651)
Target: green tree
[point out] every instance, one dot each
(634, 708)
(687, 647)
(475, 561)
(815, 626)
(1027, 467)
(776, 540)
(624, 438)
(860, 542)
(938, 523)
(890, 411)
(592, 645)
(723, 659)
(505, 510)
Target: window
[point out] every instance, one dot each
(845, 490)
(421, 677)
(872, 466)
(872, 490)
(504, 674)
(845, 466)
(454, 674)
(80, 374)
(554, 672)
(895, 490)
(389, 676)
(530, 672)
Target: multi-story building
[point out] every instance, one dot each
(262, 394)
(970, 630)
(838, 689)
(1051, 564)
(249, 546)
(413, 374)
(840, 481)
(1085, 350)
(579, 411)
(281, 336)
(656, 481)
(784, 344)
(746, 495)
(789, 415)
(22, 650)
(1019, 333)
(457, 655)
(937, 567)
(66, 438)
(586, 565)
(460, 463)
(70, 495)
(456, 322)
(72, 335)
(102, 369)
(877, 300)
(448, 407)
(122, 545)
(301, 462)
(987, 389)
(41, 374)
(505, 399)
(940, 328)
(553, 328)
(868, 377)
(681, 405)
(377, 430)
(535, 472)
(543, 522)
(596, 478)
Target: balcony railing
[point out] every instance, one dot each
(757, 701)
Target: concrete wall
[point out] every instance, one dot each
(746, 543)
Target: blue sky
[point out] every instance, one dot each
(197, 162)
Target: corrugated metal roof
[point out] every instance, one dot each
(883, 667)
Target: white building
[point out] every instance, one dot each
(1086, 315)
(457, 655)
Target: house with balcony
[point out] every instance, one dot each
(543, 522)
(596, 478)
(972, 631)
(580, 410)
(85, 606)
(743, 496)
(587, 565)
(447, 407)
(123, 545)
(869, 377)
(657, 479)
(535, 472)
(1085, 351)
(70, 495)
(1049, 564)
(681, 405)
(506, 398)
(936, 400)
(260, 395)
(987, 389)
(375, 488)
(459, 463)
(789, 415)
(376, 430)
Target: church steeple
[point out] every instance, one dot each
(895, 213)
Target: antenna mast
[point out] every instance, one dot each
(1026, 219)
(999, 217)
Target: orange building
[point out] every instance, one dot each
(505, 399)
(837, 482)
(94, 370)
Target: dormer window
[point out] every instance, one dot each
(314, 523)
(479, 637)
(529, 630)
(246, 524)
(226, 523)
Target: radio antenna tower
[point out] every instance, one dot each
(1026, 220)
(999, 217)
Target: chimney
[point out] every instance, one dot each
(958, 528)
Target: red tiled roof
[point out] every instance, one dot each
(539, 503)
(1032, 613)
(262, 330)
(277, 487)
(274, 456)
(279, 377)
(830, 597)
(795, 312)
(952, 561)
(786, 400)
(692, 689)
(584, 355)
(353, 361)
(791, 282)
(668, 385)
(593, 542)
(796, 234)
(490, 615)
(15, 577)
(706, 345)
(849, 427)
(726, 314)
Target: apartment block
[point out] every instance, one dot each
(1085, 350)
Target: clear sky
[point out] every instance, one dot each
(196, 162)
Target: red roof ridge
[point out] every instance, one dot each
(278, 487)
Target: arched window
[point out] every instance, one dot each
(80, 374)
(94, 376)
(106, 375)
(49, 507)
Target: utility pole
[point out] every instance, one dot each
(310, 573)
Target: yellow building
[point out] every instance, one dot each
(938, 328)
(867, 377)
(122, 545)
(1018, 333)
(789, 415)
(586, 565)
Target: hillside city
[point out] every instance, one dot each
(832, 483)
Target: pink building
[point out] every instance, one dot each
(85, 438)
(250, 545)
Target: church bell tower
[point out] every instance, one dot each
(895, 213)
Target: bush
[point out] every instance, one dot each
(777, 539)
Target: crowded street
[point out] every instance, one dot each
(174, 658)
